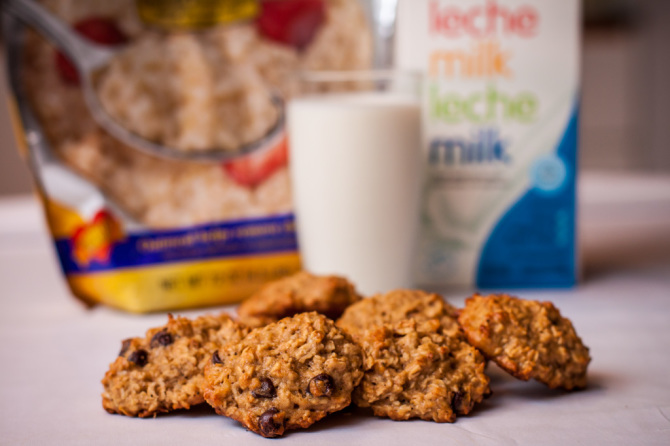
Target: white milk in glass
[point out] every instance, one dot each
(356, 168)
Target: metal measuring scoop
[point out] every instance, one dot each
(90, 58)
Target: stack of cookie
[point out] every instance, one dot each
(285, 363)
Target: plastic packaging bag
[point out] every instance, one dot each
(141, 232)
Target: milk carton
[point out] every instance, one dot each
(500, 111)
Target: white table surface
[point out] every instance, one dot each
(54, 351)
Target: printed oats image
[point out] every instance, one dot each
(220, 87)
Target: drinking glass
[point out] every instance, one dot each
(356, 167)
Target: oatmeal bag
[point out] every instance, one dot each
(209, 220)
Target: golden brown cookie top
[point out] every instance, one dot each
(527, 338)
(300, 293)
(286, 375)
(164, 370)
(416, 370)
(396, 306)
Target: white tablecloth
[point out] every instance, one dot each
(54, 351)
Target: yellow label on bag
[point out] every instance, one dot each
(183, 285)
(194, 14)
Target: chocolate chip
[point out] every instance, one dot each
(267, 424)
(125, 345)
(162, 338)
(456, 402)
(139, 357)
(321, 385)
(266, 390)
(216, 359)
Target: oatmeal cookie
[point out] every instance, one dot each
(396, 306)
(416, 370)
(164, 370)
(529, 339)
(300, 293)
(286, 375)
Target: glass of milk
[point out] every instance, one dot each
(356, 167)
